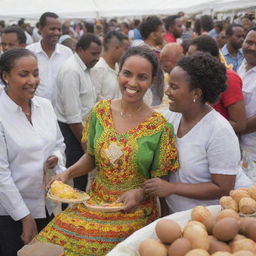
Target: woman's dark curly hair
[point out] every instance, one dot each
(144, 52)
(207, 73)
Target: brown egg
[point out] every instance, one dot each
(152, 247)
(227, 213)
(168, 230)
(243, 244)
(243, 253)
(244, 222)
(247, 205)
(221, 254)
(197, 252)
(216, 245)
(179, 247)
(226, 229)
(200, 213)
(209, 224)
(227, 202)
(251, 231)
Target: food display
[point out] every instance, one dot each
(104, 206)
(64, 193)
(241, 200)
(223, 234)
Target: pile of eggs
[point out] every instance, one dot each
(241, 200)
(224, 235)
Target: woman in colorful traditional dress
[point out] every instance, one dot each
(128, 143)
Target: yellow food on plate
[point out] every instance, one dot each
(104, 204)
(61, 190)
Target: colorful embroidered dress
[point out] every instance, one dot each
(124, 162)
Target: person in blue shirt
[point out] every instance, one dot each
(232, 49)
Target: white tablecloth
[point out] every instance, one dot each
(130, 245)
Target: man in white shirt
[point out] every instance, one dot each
(76, 97)
(104, 73)
(50, 55)
(247, 72)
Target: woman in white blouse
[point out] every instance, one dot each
(208, 148)
(30, 141)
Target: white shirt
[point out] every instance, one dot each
(29, 39)
(75, 92)
(105, 81)
(24, 149)
(210, 147)
(49, 68)
(248, 141)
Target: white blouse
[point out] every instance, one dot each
(24, 149)
(210, 147)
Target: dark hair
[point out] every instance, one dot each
(125, 24)
(9, 57)
(21, 22)
(170, 21)
(149, 25)
(207, 44)
(207, 73)
(89, 27)
(85, 41)
(44, 16)
(251, 29)
(144, 52)
(113, 34)
(18, 31)
(65, 29)
(197, 26)
(229, 31)
(206, 23)
(136, 22)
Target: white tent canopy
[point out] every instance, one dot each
(113, 8)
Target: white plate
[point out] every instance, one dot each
(83, 198)
(103, 208)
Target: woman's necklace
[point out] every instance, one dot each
(124, 115)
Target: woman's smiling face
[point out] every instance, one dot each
(179, 91)
(135, 78)
(22, 79)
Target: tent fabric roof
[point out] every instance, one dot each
(113, 8)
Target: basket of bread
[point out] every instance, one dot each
(241, 200)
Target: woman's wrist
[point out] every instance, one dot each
(141, 194)
(172, 188)
(26, 218)
(69, 174)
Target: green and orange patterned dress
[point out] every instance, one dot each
(124, 162)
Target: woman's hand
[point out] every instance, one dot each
(131, 199)
(64, 177)
(51, 162)
(29, 229)
(158, 187)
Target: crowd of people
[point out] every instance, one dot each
(158, 114)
